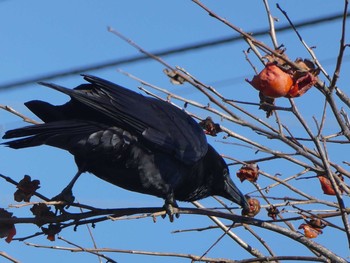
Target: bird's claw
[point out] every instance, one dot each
(65, 196)
(169, 209)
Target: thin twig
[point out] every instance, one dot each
(91, 236)
(247, 36)
(253, 251)
(271, 24)
(216, 242)
(331, 177)
(310, 50)
(341, 49)
(132, 43)
(87, 250)
(8, 257)
(137, 252)
(14, 112)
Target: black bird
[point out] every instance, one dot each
(135, 142)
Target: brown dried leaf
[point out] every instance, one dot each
(51, 231)
(316, 223)
(7, 230)
(26, 188)
(249, 172)
(273, 212)
(210, 127)
(273, 59)
(41, 211)
(174, 76)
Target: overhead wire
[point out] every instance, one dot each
(162, 53)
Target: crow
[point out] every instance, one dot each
(139, 143)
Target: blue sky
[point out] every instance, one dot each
(42, 37)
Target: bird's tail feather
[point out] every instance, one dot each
(59, 134)
(45, 111)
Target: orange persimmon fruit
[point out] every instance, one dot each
(327, 186)
(309, 231)
(253, 209)
(272, 81)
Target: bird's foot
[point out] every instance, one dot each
(65, 196)
(169, 209)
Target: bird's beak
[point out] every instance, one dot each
(234, 194)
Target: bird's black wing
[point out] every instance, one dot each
(158, 123)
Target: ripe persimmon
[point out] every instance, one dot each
(272, 81)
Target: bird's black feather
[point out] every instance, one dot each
(139, 143)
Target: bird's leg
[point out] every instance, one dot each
(66, 195)
(169, 206)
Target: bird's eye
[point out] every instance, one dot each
(225, 172)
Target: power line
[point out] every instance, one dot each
(162, 53)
